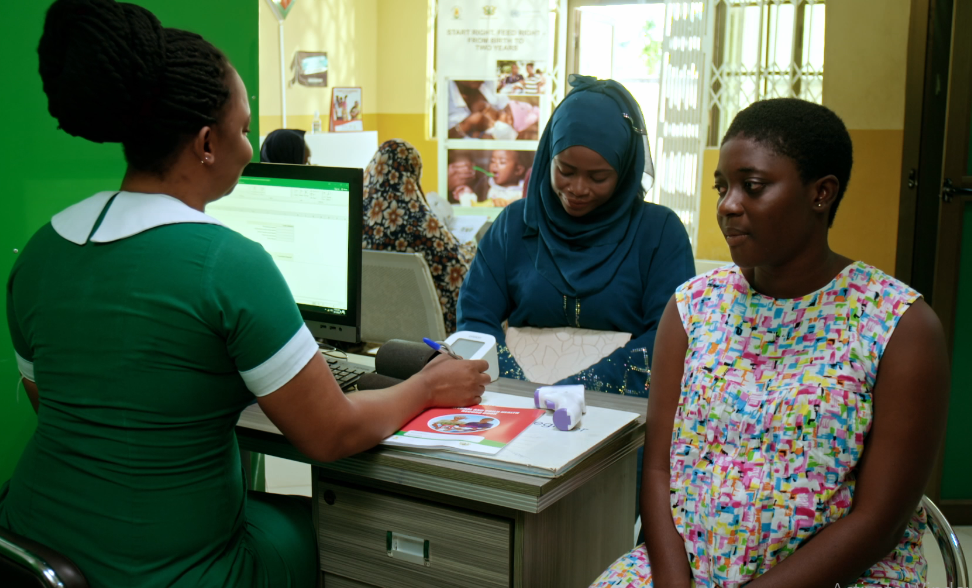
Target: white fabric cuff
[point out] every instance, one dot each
(26, 368)
(286, 363)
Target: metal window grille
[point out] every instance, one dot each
(680, 131)
(431, 85)
(763, 49)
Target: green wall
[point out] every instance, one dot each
(44, 170)
(957, 475)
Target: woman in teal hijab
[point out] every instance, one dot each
(583, 249)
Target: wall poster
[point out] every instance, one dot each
(346, 110)
(492, 74)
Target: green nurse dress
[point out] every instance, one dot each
(148, 326)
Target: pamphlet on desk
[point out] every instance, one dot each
(483, 430)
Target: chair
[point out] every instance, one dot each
(398, 298)
(550, 355)
(956, 570)
(28, 564)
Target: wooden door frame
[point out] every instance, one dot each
(926, 97)
(922, 159)
(914, 101)
(955, 167)
(951, 217)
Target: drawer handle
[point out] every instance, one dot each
(407, 548)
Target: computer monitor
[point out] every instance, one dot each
(308, 218)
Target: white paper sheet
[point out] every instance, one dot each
(465, 227)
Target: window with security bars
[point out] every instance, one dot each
(763, 49)
(681, 136)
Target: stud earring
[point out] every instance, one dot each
(819, 205)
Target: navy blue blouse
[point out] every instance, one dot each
(504, 285)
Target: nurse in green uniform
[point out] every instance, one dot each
(142, 328)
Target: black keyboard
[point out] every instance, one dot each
(346, 373)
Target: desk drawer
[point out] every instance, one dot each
(430, 545)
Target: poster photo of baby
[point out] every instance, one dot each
(492, 178)
(520, 77)
(478, 111)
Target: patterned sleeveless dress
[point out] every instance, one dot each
(775, 406)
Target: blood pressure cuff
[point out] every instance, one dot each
(397, 360)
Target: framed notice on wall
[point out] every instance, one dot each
(346, 110)
(310, 68)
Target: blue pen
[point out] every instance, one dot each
(443, 349)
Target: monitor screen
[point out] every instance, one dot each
(308, 219)
(465, 348)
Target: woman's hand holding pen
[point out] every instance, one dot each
(454, 382)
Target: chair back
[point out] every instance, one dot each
(550, 355)
(398, 298)
(956, 570)
(27, 564)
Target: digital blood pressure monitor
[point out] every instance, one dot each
(470, 345)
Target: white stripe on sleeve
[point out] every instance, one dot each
(26, 367)
(286, 363)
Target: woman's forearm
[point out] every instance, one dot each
(666, 550)
(379, 413)
(837, 555)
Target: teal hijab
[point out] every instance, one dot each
(580, 256)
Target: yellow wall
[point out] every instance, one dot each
(380, 45)
(346, 29)
(403, 51)
(402, 45)
(866, 226)
(711, 243)
(864, 83)
(865, 62)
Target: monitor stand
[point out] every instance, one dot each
(322, 330)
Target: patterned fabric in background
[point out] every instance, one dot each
(398, 218)
(775, 407)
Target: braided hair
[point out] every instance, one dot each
(810, 134)
(113, 74)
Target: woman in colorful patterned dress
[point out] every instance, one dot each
(796, 395)
(398, 218)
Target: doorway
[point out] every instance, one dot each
(935, 220)
(622, 42)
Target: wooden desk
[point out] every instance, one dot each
(482, 527)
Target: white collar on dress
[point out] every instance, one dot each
(130, 214)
